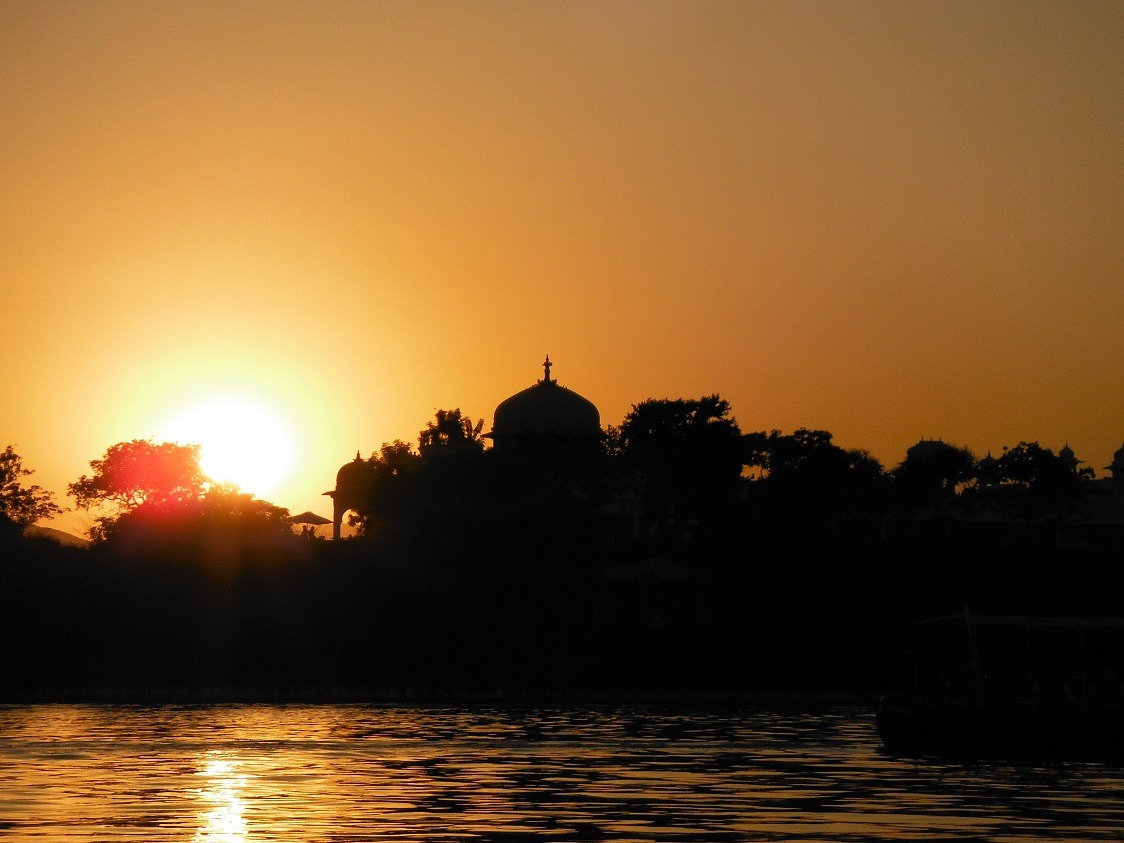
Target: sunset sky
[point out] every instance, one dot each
(889, 220)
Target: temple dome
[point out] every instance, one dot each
(546, 408)
(354, 477)
(1067, 456)
(926, 449)
(354, 482)
(1117, 464)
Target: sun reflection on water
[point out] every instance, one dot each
(221, 817)
(292, 774)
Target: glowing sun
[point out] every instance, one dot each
(239, 442)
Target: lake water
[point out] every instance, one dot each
(236, 774)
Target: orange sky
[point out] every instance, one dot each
(889, 220)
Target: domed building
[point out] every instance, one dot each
(1067, 456)
(544, 424)
(927, 449)
(1116, 467)
(354, 482)
(545, 412)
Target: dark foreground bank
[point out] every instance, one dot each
(360, 621)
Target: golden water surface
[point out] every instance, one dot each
(242, 774)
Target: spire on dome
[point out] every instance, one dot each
(545, 409)
(1067, 456)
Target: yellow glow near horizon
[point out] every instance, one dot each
(888, 221)
(240, 442)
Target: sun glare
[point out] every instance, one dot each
(240, 443)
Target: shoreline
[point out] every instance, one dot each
(493, 697)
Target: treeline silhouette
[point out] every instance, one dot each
(677, 554)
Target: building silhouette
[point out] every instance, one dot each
(546, 411)
(546, 417)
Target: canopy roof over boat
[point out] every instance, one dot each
(1020, 621)
(653, 568)
(1030, 658)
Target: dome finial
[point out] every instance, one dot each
(546, 367)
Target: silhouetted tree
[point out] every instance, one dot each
(390, 498)
(444, 489)
(1036, 484)
(220, 515)
(451, 429)
(141, 472)
(931, 475)
(395, 458)
(160, 476)
(782, 457)
(805, 477)
(686, 452)
(20, 504)
(225, 502)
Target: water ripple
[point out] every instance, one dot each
(250, 774)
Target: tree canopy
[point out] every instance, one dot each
(20, 504)
(391, 491)
(932, 474)
(142, 472)
(145, 483)
(221, 517)
(450, 428)
(688, 451)
(1035, 483)
(804, 476)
